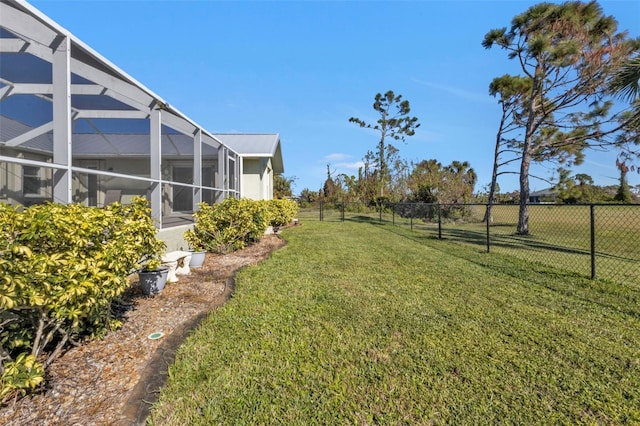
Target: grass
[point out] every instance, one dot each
(359, 323)
(560, 235)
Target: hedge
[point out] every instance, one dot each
(234, 223)
(61, 267)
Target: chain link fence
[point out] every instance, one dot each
(596, 240)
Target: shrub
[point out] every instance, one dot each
(20, 375)
(228, 226)
(281, 211)
(61, 267)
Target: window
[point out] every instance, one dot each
(31, 181)
(232, 174)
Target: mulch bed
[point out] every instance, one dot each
(115, 380)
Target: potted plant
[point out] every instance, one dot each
(196, 247)
(153, 277)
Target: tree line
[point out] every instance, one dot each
(577, 90)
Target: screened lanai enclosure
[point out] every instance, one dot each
(74, 128)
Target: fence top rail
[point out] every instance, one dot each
(407, 203)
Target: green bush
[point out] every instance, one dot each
(20, 375)
(281, 211)
(61, 267)
(228, 226)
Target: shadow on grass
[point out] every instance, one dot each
(523, 242)
(621, 298)
(364, 219)
(505, 241)
(501, 241)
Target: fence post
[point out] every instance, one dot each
(342, 211)
(593, 241)
(380, 207)
(488, 240)
(321, 215)
(393, 214)
(439, 222)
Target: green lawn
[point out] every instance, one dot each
(560, 235)
(358, 323)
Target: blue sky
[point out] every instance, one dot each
(302, 68)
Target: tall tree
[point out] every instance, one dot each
(394, 123)
(367, 179)
(431, 182)
(329, 187)
(569, 51)
(332, 189)
(510, 90)
(425, 181)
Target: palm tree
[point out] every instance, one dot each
(463, 181)
(626, 84)
(627, 81)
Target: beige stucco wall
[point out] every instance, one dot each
(252, 179)
(257, 179)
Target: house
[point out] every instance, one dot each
(75, 128)
(548, 195)
(261, 159)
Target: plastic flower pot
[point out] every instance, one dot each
(197, 259)
(153, 281)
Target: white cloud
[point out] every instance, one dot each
(598, 164)
(350, 166)
(339, 164)
(456, 91)
(337, 157)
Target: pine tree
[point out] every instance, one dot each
(624, 192)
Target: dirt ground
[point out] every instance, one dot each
(115, 380)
